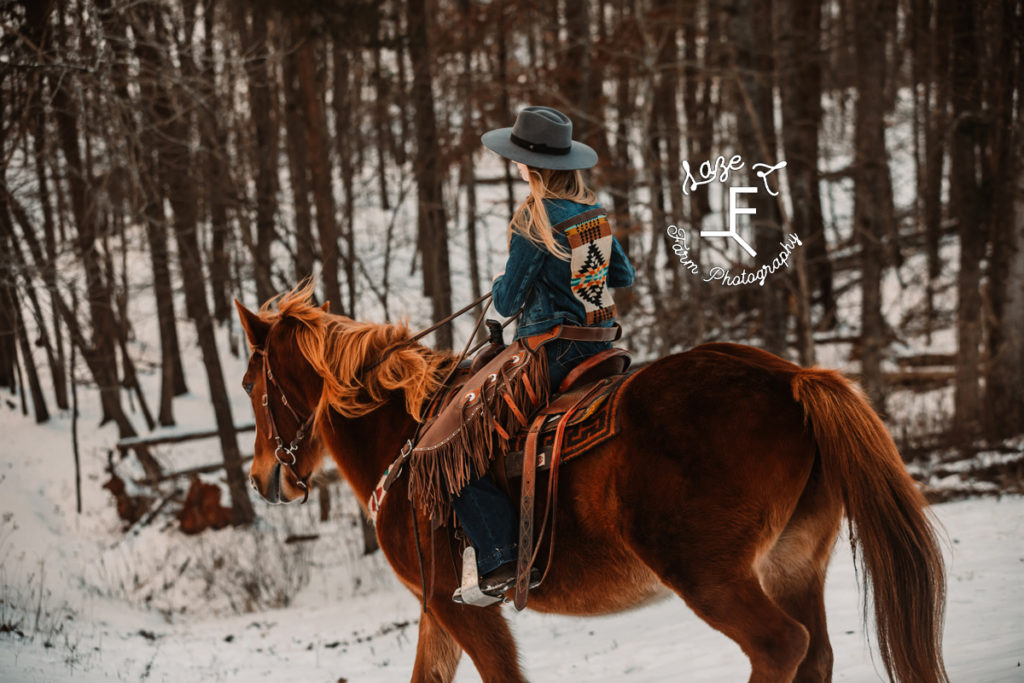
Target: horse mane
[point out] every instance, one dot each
(361, 363)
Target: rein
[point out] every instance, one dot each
(453, 316)
(424, 332)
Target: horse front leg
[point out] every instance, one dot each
(481, 632)
(446, 629)
(437, 653)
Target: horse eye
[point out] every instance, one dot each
(248, 388)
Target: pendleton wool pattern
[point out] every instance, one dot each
(590, 237)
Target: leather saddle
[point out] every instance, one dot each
(582, 415)
(597, 379)
(594, 385)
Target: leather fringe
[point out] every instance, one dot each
(439, 471)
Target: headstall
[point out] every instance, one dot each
(285, 455)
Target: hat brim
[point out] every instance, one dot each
(580, 155)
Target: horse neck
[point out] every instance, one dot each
(363, 447)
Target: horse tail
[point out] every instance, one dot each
(900, 560)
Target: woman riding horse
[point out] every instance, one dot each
(727, 482)
(562, 260)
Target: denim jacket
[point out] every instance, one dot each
(539, 281)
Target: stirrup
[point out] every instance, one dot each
(469, 592)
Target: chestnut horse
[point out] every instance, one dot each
(727, 484)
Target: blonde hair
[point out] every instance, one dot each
(361, 363)
(531, 220)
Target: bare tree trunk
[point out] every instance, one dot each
(400, 92)
(433, 220)
(468, 144)
(751, 31)
(74, 428)
(8, 303)
(346, 145)
(176, 168)
(505, 112)
(264, 150)
(619, 174)
(936, 128)
(12, 266)
(580, 85)
(661, 338)
(298, 165)
(104, 364)
(55, 354)
(77, 334)
(319, 163)
(8, 336)
(217, 185)
(381, 122)
(964, 196)
(39, 408)
(1004, 401)
(172, 373)
(870, 172)
(800, 72)
(664, 21)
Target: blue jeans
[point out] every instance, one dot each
(485, 512)
(489, 521)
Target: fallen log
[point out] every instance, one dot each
(174, 437)
(201, 469)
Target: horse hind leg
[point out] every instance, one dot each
(737, 606)
(793, 575)
(437, 653)
(723, 589)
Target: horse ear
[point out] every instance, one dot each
(256, 328)
(326, 308)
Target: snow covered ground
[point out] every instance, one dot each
(84, 602)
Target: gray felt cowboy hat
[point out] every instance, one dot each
(541, 138)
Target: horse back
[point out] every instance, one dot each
(714, 434)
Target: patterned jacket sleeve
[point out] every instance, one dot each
(620, 271)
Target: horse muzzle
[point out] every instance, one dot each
(274, 492)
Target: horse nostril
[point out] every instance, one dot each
(252, 483)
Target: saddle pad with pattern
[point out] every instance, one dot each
(591, 425)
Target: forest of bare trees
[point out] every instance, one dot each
(228, 148)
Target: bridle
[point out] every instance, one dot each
(285, 455)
